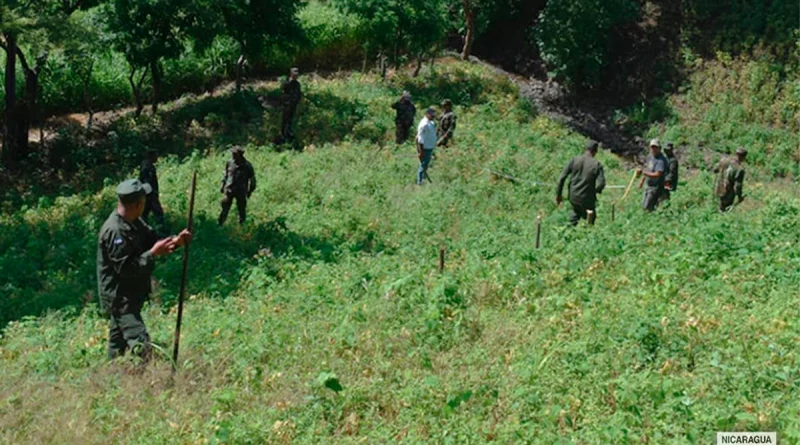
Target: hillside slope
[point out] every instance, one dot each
(659, 328)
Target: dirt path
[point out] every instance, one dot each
(590, 120)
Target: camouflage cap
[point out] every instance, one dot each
(132, 187)
(237, 150)
(592, 146)
(655, 143)
(741, 151)
(406, 94)
(294, 71)
(669, 146)
(447, 103)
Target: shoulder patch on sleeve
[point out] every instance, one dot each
(118, 240)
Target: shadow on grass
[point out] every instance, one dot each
(464, 88)
(52, 266)
(81, 161)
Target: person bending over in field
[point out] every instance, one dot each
(126, 251)
(587, 181)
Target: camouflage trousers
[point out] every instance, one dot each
(127, 331)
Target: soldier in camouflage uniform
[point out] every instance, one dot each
(238, 184)
(587, 181)
(730, 180)
(291, 96)
(405, 117)
(671, 179)
(655, 171)
(149, 175)
(447, 124)
(126, 252)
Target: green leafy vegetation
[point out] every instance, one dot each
(324, 319)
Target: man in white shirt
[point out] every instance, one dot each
(426, 142)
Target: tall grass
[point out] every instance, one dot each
(324, 320)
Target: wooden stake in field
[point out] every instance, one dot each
(538, 230)
(441, 260)
(182, 294)
(613, 211)
(590, 217)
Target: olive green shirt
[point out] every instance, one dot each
(587, 180)
(124, 264)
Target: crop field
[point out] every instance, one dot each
(324, 319)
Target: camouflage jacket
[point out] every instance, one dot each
(730, 179)
(447, 125)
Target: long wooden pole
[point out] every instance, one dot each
(189, 223)
(538, 229)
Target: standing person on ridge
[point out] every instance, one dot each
(671, 180)
(655, 171)
(447, 124)
(405, 117)
(238, 184)
(126, 252)
(291, 94)
(730, 180)
(149, 175)
(587, 181)
(426, 142)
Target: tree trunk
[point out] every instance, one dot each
(136, 88)
(155, 71)
(28, 112)
(240, 72)
(397, 49)
(87, 99)
(419, 65)
(366, 58)
(10, 129)
(469, 15)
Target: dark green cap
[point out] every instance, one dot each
(237, 150)
(132, 187)
(741, 151)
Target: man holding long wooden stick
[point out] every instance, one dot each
(126, 252)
